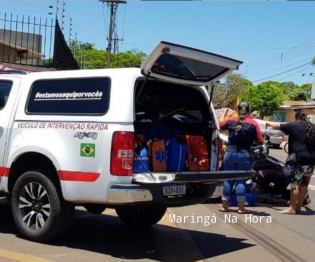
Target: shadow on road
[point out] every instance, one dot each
(106, 234)
(212, 245)
(6, 220)
(308, 211)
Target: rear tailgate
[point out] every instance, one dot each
(213, 176)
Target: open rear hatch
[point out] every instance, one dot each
(186, 65)
(188, 68)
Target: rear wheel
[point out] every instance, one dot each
(141, 216)
(39, 210)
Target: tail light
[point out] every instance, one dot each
(122, 153)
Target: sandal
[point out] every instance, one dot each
(222, 209)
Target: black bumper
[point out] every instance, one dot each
(214, 176)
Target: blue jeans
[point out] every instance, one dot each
(236, 160)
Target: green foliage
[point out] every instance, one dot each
(89, 57)
(224, 94)
(48, 62)
(266, 98)
(301, 93)
(288, 87)
(78, 47)
(128, 59)
(92, 59)
(313, 61)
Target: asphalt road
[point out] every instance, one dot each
(194, 233)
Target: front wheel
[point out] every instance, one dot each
(39, 210)
(141, 216)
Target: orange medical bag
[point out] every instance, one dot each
(198, 157)
(158, 155)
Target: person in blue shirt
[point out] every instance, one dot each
(244, 132)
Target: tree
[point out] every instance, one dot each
(301, 93)
(227, 92)
(76, 47)
(313, 61)
(288, 87)
(266, 97)
(131, 58)
(48, 62)
(89, 57)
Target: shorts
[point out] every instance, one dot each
(301, 175)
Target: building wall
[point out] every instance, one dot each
(290, 114)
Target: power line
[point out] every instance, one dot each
(280, 59)
(284, 60)
(283, 67)
(262, 79)
(295, 73)
(292, 49)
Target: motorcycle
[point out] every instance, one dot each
(271, 184)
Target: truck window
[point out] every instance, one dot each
(76, 96)
(5, 88)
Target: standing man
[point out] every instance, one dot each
(301, 143)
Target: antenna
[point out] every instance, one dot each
(112, 34)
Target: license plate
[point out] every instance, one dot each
(174, 189)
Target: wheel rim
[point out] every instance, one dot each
(34, 205)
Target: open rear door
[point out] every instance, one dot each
(186, 65)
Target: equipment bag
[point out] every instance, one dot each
(198, 157)
(176, 154)
(157, 155)
(141, 159)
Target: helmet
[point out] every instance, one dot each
(259, 152)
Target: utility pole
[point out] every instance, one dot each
(113, 5)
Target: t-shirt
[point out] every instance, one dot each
(305, 152)
(245, 137)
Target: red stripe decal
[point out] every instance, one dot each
(77, 176)
(4, 171)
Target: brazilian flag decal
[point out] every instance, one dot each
(87, 150)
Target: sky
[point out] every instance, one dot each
(274, 39)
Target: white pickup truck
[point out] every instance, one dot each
(67, 138)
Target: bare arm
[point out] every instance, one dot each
(273, 125)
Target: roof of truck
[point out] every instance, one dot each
(79, 73)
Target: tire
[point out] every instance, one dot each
(95, 209)
(141, 216)
(39, 210)
(286, 147)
